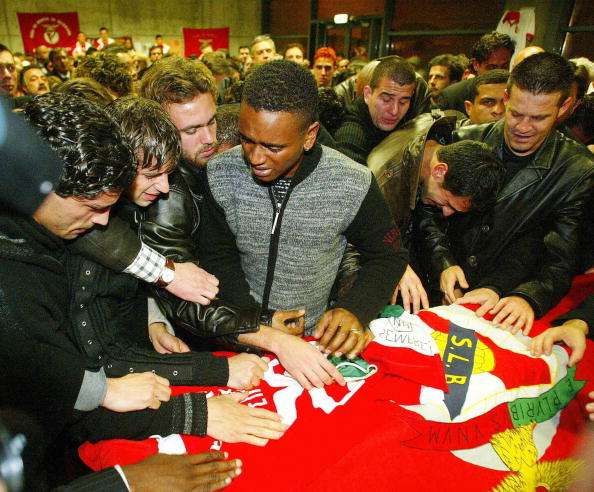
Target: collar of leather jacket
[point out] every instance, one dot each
(492, 135)
(542, 159)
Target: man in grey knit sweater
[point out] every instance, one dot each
(278, 215)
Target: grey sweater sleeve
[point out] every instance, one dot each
(92, 391)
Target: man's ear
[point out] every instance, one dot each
(439, 171)
(311, 134)
(367, 93)
(565, 107)
(475, 65)
(468, 107)
(506, 96)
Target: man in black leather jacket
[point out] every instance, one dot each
(525, 251)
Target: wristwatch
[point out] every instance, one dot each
(167, 275)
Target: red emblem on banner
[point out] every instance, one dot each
(52, 29)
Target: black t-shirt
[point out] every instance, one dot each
(513, 163)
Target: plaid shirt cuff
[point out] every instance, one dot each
(148, 265)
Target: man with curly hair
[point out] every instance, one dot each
(279, 212)
(107, 69)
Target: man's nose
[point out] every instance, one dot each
(256, 155)
(163, 183)
(446, 210)
(101, 218)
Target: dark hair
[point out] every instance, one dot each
(491, 42)
(581, 78)
(395, 69)
(88, 89)
(543, 73)
(175, 80)
(497, 76)
(155, 47)
(54, 53)
(233, 92)
(228, 124)
(148, 130)
(282, 85)
(4, 48)
(103, 29)
(453, 64)
(294, 45)
(90, 143)
(330, 108)
(217, 64)
(158, 36)
(583, 118)
(108, 70)
(473, 171)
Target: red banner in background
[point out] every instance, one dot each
(53, 29)
(195, 39)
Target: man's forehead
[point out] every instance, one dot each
(529, 103)
(6, 57)
(262, 45)
(493, 90)
(324, 61)
(33, 72)
(389, 86)
(199, 109)
(103, 199)
(438, 69)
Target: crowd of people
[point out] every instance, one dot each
(242, 202)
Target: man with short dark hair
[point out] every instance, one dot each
(60, 64)
(244, 54)
(103, 41)
(581, 122)
(155, 53)
(33, 80)
(8, 73)
(227, 127)
(385, 104)
(520, 258)
(493, 50)
(295, 52)
(276, 228)
(160, 42)
(418, 164)
(81, 46)
(486, 98)
(444, 70)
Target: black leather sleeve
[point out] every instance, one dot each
(172, 221)
(219, 319)
(435, 244)
(171, 227)
(561, 247)
(115, 246)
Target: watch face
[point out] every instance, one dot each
(168, 275)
